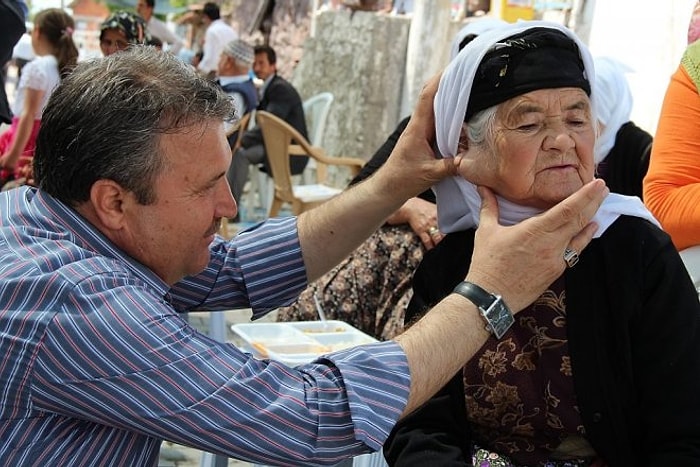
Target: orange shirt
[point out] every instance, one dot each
(672, 183)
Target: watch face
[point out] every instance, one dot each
(492, 307)
(499, 318)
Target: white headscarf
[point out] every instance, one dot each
(475, 27)
(613, 102)
(457, 199)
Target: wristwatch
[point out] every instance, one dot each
(492, 307)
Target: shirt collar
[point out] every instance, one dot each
(224, 80)
(266, 83)
(86, 236)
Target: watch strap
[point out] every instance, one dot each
(475, 294)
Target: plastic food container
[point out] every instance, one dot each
(299, 342)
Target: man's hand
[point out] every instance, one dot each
(520, 261)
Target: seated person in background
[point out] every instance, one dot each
(371, 288)
(234, 79)
(672, 184)
(622, 148)
(278, 97)
(602, 368)
(158, 29)
(120, 30)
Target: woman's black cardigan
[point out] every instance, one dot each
(633, 324)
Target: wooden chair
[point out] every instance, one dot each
(241, 125)
(282, 141)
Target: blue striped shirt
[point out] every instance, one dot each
(98, 367)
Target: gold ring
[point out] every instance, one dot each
(433, 230)
(570, 257)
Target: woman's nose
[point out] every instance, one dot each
(558, 137)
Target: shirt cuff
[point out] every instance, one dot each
(269, 255)
(377, 381)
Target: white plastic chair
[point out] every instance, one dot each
(316, 110)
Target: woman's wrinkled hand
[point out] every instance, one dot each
(421, 215)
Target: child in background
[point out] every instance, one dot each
(57, 54)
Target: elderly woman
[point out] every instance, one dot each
(122, 29)
(602, 369)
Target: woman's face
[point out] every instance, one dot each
(542, 148)
(113, 40)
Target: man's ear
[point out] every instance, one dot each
(108, 199)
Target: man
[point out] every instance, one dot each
(234, 79)
(95, 264)
(280, 98)
(157, 28)
(217, 35)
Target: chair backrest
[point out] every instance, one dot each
(278, 135)
(282, 141)
(243, 124)
(316, 109)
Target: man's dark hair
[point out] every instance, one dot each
(211, 10)
(151, 3)
(267, 50)
(105, 120)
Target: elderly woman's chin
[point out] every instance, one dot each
(547, 193)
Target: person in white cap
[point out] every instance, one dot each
(234, 77)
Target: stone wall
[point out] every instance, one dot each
(360, 57)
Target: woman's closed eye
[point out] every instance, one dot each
(528, 127)
(577, 122)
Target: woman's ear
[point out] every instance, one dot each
(463, 145)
